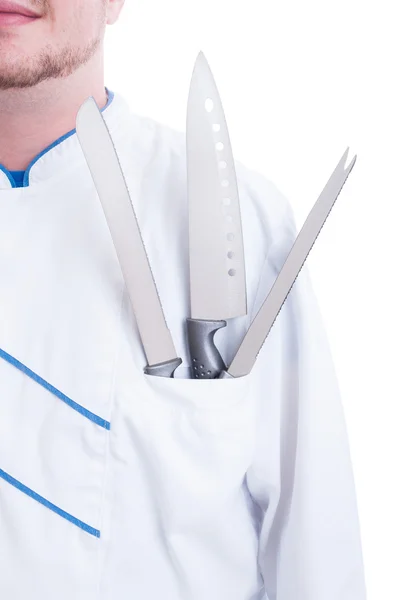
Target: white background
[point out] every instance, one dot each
(301, 81)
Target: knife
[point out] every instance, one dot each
(260, 327)
(216, 252)
(108, 177)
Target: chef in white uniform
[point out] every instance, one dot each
(116, 485)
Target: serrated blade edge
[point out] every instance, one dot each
(261, 325)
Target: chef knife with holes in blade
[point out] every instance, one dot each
(103, 162)
(216, 253)
(255, 337)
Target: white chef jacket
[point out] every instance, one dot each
(116, 485)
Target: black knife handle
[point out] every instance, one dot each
(206, 361)
(163, 369)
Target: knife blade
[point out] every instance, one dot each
(216, 252)
(260, 327)
(103, 163)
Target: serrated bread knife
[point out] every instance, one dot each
(255, 337)
(103, 162)
(216, 252)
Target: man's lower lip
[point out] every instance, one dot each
(15, 19)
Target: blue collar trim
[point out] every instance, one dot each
(21, 178)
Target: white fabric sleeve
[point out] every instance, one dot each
(301, 478)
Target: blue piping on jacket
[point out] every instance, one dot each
(86, 413)
(20, 486)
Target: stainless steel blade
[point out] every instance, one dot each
(103, 162)
(258, 331)
(217, 266)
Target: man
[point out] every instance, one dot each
(119, 485)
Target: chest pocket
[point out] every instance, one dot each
(193, 429)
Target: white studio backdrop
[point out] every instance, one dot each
(301, 81)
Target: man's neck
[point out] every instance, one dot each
(32, 118)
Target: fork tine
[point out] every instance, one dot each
(352, 163)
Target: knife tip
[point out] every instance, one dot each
(201, 58)
(352, 163)
(88, 100)
(348, 165)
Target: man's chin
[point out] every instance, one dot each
(17, 81)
